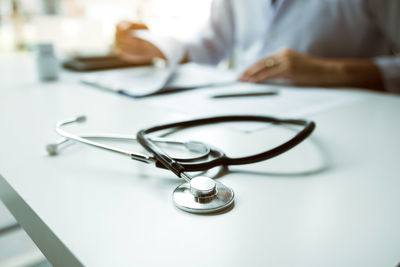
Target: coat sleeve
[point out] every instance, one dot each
(214, 43)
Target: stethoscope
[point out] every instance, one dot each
(199, 194)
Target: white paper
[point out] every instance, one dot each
(144, 81)
(138, 81)
(290, 102)
(193, 75)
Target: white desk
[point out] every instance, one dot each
(88, 207)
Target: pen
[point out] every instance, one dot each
(269, 93)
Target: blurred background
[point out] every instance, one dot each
(78, 28)
(87, 27)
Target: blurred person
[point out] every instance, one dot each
(329, 43)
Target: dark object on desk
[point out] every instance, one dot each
(246, 94)
(96, 63)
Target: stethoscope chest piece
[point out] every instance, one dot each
(203, 195)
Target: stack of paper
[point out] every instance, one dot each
(145, 81)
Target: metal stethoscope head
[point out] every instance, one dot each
(202, 194)
(199, 194)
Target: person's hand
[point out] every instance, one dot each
(288, 64)
(131, 48)
(306, 70)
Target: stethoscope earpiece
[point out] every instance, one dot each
(203, 195)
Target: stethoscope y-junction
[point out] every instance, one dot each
(199, 194)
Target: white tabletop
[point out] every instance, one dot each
(331, 201)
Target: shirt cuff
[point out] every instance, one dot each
(172, 49)
(390, 70)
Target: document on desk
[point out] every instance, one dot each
(146, 81)
(283, 101)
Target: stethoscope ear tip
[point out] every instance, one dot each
(81, 118)
(52, 149)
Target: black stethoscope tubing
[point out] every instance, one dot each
(220, 159)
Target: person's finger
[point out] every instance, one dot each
(125, 29)
(252, 70)
(138, 46)
(124, 34)
(135, 44)
(124, 47)
(268, 74)
(132, 48)
(269, 62)
(127, 56)
(126, 26)
(122, 38)
(132, 41)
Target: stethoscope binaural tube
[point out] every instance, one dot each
(222, 159)
(200, 150)
(68, 135)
